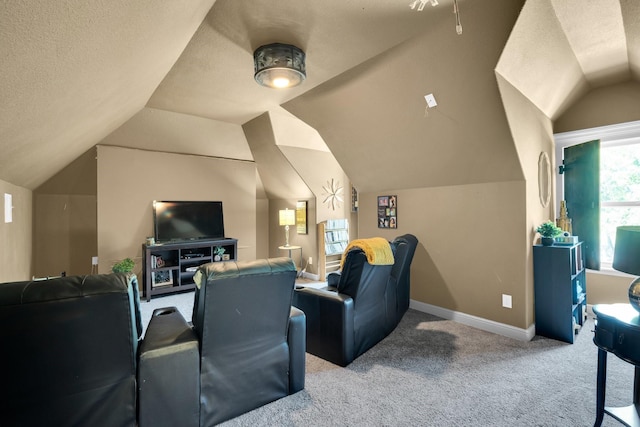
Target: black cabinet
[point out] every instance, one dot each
(169, 268)
(560, 290)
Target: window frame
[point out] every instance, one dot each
(610, 136)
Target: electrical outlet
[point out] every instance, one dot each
(310, 261)
(94, 260)
(506, 301)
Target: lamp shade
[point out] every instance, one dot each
(626, 255)
(626, 258)
(279, 65)
(287, 217)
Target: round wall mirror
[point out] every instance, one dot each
(544, 179)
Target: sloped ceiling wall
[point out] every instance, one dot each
(547, 72)
(307, 153)
(373, 116)
(630, 13)
(279, 178)
(74, 72)
(166, 131)
(562, 49)
(214, 76)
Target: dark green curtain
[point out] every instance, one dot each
(581, 168)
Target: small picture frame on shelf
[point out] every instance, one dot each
(161, 278)
(226, 257)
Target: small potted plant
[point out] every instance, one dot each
(218, 251)
(124, 266)
(548, 231)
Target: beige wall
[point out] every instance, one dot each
(294, 165)
(129, 180)
(64, 234)
(459, 178)
(317, 169)
(373, 116)
(166, 131)
(470, 248)
(602, 106)
(262, 228)
(607, 287)
(16, 236)
(532, 136)
(64, 226)
(306, 241)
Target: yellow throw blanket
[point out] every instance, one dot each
(377, 250)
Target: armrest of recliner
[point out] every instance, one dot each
(297, 339)
(333, 278)
(169, 372)
(329, 314)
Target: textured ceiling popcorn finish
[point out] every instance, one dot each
(74, 72)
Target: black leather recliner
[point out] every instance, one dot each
(249, 344)
(69, 351)
(404, 247)
(360, 306)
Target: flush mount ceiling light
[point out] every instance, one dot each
(279, 65)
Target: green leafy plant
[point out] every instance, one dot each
(124, 266)
(218, 250)
(549, 229)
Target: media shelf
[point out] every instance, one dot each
(168, 268)
(333, 238)
(560, 290)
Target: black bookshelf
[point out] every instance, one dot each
(168, 268)
(560, 290)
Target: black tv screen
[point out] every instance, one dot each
(176, 221)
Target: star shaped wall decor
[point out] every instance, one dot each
(334, 194)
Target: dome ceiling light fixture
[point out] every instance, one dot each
(279, 65)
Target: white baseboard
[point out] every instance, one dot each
(309, 276)
(476, 322)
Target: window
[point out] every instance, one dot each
(619, 182)
(619, 192)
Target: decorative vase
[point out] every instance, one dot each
(634, 294)
(547, 241)
(564, 222)
(217, 258)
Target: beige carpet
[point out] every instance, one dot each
(435, 372)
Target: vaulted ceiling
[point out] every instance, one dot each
(73, 72)
(561, 49)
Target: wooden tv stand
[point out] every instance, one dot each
(169, 267)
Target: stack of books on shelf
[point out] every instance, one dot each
(334, 248)
(337, 235)
(337, 223)
(157, 261)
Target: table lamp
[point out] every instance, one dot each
(287, 218)
(626, 258)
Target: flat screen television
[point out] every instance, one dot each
(179, 221)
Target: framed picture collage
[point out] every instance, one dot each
(387, 211)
